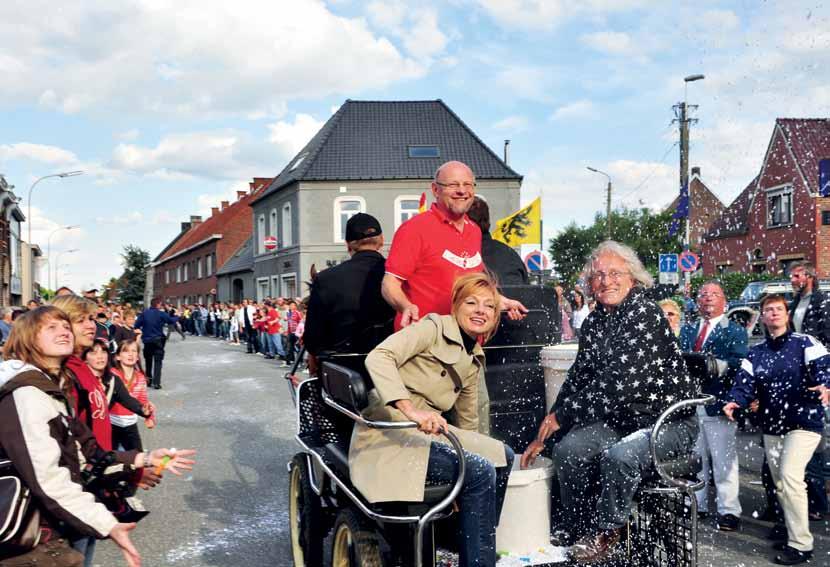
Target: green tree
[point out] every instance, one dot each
(132, 281)
(646, 232)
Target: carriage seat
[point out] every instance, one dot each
(350, 389)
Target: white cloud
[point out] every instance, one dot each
(206, 201)
(514, 123)
(576, 109)
(202, 57)
(128, 135)
(290, 137)
(52, 155)
(545, 15)
(610, 42)
(416, 26)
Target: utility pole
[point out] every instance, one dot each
(681, 111)
(607, 201)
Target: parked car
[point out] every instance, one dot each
(746, 309)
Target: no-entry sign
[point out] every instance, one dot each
(270, 242)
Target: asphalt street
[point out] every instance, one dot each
(235, 409)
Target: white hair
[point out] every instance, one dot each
(639, 273)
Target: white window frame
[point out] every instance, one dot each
(166, 276)
(399, 208)
(283, 285)
(199, 268)
(275, 287)
(259, 288)
(272, 223)
(208, 265)
(260, 244)
(340, 228)
(287, 226)
(184, 271)
(179, 273)
(781, 191)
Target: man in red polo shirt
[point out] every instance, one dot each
(432, 249)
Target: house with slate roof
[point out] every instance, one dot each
(780, 217)
(186, 271)
(705, 208)
(235, 280)
(376, 157)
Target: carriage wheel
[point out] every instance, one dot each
(305, 517)
(354, 543)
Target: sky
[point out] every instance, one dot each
(170, 107)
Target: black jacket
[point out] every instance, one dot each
(346, 311)
(816, 318)
(502, 261)
(627, 371)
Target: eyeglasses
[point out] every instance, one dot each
(613, 275)
(455, 185)
(708, 294)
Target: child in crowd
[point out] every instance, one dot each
(125, 422)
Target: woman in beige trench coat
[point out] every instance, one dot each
(425, 369)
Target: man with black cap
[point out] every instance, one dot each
(346, 311)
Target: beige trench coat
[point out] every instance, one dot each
(427, 364)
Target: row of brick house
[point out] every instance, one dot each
(376, 157)
(780, 217)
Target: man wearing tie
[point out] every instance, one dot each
(713, 333)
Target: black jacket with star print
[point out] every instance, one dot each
(628, 370)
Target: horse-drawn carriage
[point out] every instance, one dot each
(331, 523)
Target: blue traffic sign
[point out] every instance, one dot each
(668, 263)
(689, 261)
(536, 261)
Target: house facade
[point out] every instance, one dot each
(780, 217)
(186, 272)
(11, 247)
(372, 157)
(235, 280)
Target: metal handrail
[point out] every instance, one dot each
(423, 520)
(655, 431)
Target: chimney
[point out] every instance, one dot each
(225, 205)
(506, 151)
(214, 211)
(186, 226)
(696, 171)
(240, 194)
(195, 220)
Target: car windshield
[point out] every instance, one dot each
(752, 292)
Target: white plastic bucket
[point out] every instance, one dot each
(525, 519)
(556, 360)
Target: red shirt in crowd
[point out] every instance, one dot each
(428, 253)
(272, 322)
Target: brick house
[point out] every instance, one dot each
(705, 208)
(185, 272)
(374, 157)
(779, 218)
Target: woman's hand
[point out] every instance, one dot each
(177, 461)
(120, 535)
(148, 478)
(515, 310)
(729, 410)
(823, 392)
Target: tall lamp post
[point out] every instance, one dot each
(58, 264)
(49, 250)
(682, 113)
(607, 202)
(38, 180)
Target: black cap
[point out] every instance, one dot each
(362, 226)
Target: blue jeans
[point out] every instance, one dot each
(480, 500)
(85, 545)
(200, 327)
(275, 344)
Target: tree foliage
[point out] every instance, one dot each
(645, 231)
(734, 282)
(132, 282)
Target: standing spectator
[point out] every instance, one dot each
(5, 324)
(292, 318)
(565, 312)
(272, 328)
(246, 315)
(789, 373)
(500, 259)
(151, 322)
(580, 311)
(127, 370)
(727, 341)
(233, 325)
(671, 310)
(810, 314)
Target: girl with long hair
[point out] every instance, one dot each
(48, 446)
(127, 370)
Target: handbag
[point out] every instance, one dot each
(19, 515)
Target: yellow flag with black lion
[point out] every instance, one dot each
(522, 227)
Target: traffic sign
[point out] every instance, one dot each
(689, 261)
(668, 263)
(670, 278)
(537, 261)
(270, 242)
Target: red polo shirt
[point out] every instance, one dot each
(428, 252)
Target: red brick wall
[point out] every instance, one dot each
(797, 239)
(193, 286)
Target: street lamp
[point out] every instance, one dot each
(38, 180)
(49, 249)
(607, 202)
(58, 264)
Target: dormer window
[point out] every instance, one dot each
(298, 161)
(424, 152)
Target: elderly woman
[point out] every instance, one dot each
(628, 370)
(425, 369)
(671, 310)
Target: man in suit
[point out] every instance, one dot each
(713, 333)
(810, 314)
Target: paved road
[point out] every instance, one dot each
(236, 410)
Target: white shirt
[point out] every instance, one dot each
(713, 322)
